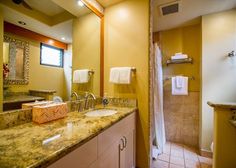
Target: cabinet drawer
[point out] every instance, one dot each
(82, 157)
(114, 133)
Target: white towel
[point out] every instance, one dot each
(179, 56)
(179, 81)
(120, 75)
(81, 76)
(114, 75)
(125, 75)
(182, 90)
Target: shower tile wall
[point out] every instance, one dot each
(181, 114)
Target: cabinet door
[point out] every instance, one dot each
(127, 156)
(82, 157)
(110, 158)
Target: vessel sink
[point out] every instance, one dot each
(101, 113)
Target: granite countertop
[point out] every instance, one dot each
(225, 105)
(21, 98)
(28, 145)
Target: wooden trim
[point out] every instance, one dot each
(11, 28)
(92, 8)
(102, 57)
(101, 15)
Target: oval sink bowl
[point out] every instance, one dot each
(101, 113)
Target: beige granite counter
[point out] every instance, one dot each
(21, 98)
(225, 105)
(29, 145)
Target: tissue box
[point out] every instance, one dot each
(38, 103)
(46, 113)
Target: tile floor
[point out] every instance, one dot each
(181, 156)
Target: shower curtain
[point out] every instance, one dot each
(158, 116)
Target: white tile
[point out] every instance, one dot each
(175, 166)
(192, 164)
(160, 164)
(164, 157)
(177, 153)
(177, 160)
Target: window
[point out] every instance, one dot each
(51, 56)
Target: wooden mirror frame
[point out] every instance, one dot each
(101, 16)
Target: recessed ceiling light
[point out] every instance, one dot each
(22, 23)
(63, 38)
(50, 42)
(80, 3)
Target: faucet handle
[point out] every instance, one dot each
(105, 101)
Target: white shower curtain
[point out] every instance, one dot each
(158, 116)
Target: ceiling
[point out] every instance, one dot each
(106, 3)
(52, 18)
(189, 12)
(45, 6)
(57, 31)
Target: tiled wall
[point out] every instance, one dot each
(181, 114)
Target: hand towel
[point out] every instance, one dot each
(81, 76)
(179, 56)
(114, 75)
(179, 81)
(120, 75)
(125, 75)
(180, 91)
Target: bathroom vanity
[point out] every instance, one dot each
(75, 141)
(224, 135)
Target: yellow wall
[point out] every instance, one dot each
(127, 44)
(1, 58)
(86, 50)
(218, 71)
(188, 41)
(40, 77)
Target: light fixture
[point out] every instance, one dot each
(22, 23)
(63, 38)
(80, 3)
(50, 42)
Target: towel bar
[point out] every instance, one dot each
(190, 78)
(91, 72)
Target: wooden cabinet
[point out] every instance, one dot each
(113, 148)
(82, 157)
(116, 145)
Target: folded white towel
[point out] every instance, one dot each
(182, 90)
(179, 81)
(114, 75)
(179, 56)
(120, 75)
(125, 75)
(81, 76)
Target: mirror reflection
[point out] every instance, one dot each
(50, 63)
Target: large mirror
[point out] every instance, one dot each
(40, 57)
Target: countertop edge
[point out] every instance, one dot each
(60, 154)
(224, 105)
